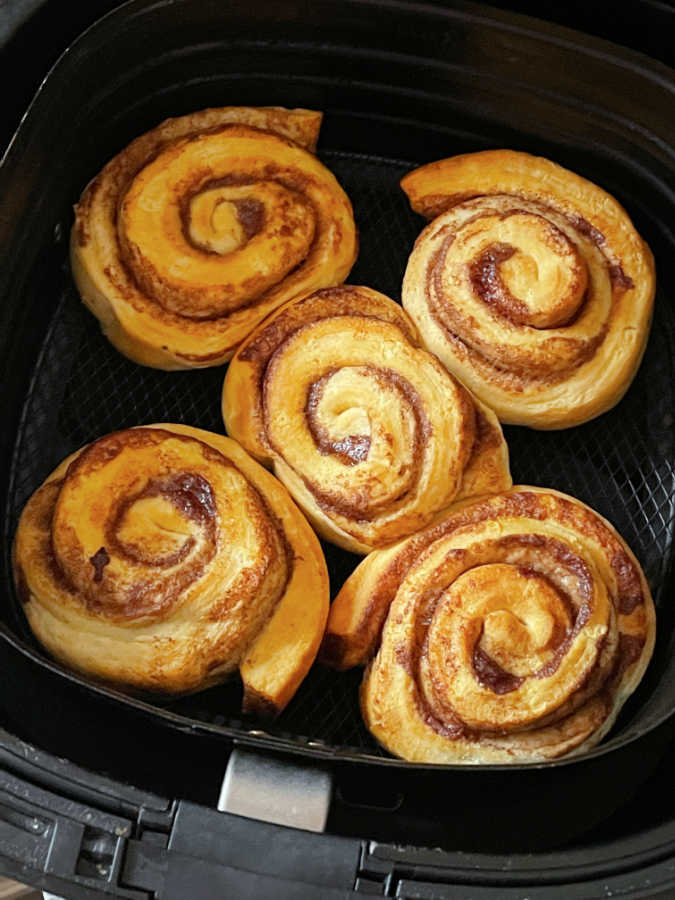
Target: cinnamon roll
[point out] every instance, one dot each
(515, 630)
(164, 558)
(370, 434)
(200, 228)
(530, 284)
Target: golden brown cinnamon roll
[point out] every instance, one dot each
(368, 431)
(530, 284)
(515, 630)
(200, 228)
(164, 558)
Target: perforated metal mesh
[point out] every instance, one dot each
(621, 464)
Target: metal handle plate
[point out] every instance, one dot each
(276, 790)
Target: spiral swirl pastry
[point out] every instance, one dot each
(164, 558)
(515, 630)
(200, 228)
(530, 284)
(370, 434)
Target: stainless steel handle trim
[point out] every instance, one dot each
(276, 790)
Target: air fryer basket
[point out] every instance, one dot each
(619, 464)
(400, 84)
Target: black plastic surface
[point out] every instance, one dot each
(162, 851)
(644, 25)
(154, 848)
(412, 84)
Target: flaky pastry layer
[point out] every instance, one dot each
(200, 228)
(511, 631)
(530, 284)
(368, 431)
(164, 558)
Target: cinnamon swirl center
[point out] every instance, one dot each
(525, 268)
(156, 526)
(203, 243)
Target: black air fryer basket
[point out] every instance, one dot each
(400, 83)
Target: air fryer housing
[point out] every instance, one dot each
(400, 83)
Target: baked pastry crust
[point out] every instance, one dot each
(530, 284)
(515, 630)
(370, 434)
(201, 227)
(164, 558)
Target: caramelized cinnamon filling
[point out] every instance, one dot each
(161, 531)
(350, 448)
(519, 262)
(518, 608)
(360, 507)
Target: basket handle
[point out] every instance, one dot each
(277, 790)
